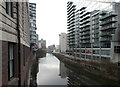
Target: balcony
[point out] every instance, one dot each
(103, 12)
(111, 14)
(113, 20)
(84, 38)
(85, 21)
(86, 29)
(85, 33)
(108, 27)
(85, 17)
(85, 25)
(85, 42)
(70, 10)
(70, 7)
(70, 13)
(105, 34)
(84, 14)
(105, 39)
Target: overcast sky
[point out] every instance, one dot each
(51, 19)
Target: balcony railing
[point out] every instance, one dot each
(86, 29)
(86, 33)
(105, 34)
(108, 21)
(108, 27)
(105, 39)
(111, 14)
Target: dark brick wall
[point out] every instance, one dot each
(26, 61)
(5, 63)
(27, 57)
(0, 63)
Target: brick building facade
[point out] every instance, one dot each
(15, 53)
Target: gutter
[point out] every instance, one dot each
(19, 55)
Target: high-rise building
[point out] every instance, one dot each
(97, 33)
(63, 42)
(32, 16)
(42, 43)
(71, 8)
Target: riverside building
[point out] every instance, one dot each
(99, 32)
(71, 8)
(63, 42)
(15, 53)
(33, 35)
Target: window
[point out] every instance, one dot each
(96, 57)
(88, 56)
(10, 61)
(118, 64)
(9, 8)
(95, 51)
(105, 52)
(117, 49)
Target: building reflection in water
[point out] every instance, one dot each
(74, 76)
(62, 70)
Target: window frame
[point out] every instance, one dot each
(116, 49)
(9, 8)
(10, 60)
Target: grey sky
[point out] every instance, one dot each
(51, 19)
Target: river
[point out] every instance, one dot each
(52, 71)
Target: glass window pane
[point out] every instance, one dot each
(11, 68)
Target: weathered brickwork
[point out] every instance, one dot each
(10, 35)
(5, 63)
(26, 54)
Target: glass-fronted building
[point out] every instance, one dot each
(32, 12)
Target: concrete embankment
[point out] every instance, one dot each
(99, 69)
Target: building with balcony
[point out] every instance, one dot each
(32, 16)
(99, 32)
(71, 11)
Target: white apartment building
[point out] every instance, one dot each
(63, 42)
(97, 31)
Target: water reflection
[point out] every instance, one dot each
(55, 72)
(49, 71)
(63, 70)
(76, 77)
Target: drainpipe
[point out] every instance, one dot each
(19, 61)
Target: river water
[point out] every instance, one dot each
(54, 72)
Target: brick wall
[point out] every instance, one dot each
(0, 63)
(5, 63)
(25, 53)
(9, 33)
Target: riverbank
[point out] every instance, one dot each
(106, 73)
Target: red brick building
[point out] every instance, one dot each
(15, 53)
